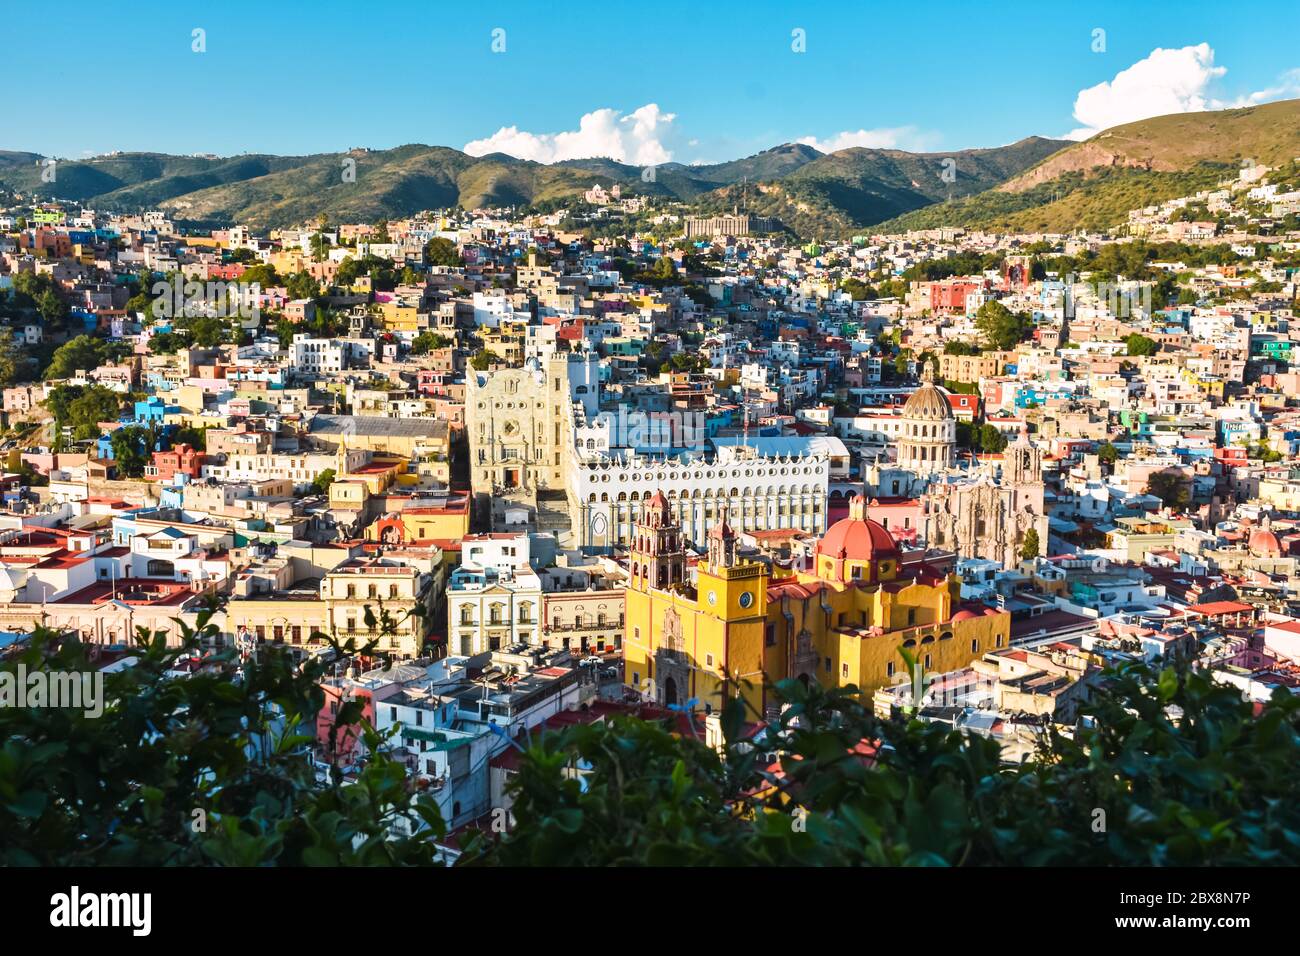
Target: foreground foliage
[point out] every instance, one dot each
(1171, 769)
(208, 769)
(1216, 785)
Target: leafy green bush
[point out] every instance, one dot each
(208, 769)
(1212, 785)
(1175, 768)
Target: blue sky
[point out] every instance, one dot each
(687, 81)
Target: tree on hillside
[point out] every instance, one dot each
(319, 247)
(991, 440)
(1170, 487)
(82, 409)
(858, 289)
(688, 362)
(320, 485)
(132, 449)
(165, 343)
(1138, 344)
(263, 274)
(440, 251)
(348, 271)
(207, 332)
(196, 438)
(52, 309)
(301, 285)
(9, 358)
(1030, 547)
(1000, 328)
(84, 352)
(427, 342)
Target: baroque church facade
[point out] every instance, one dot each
(983, 516)
(737, 625)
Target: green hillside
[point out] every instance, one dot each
(818, 194)
(840, 193)
(1033, 185)
(1093, 184)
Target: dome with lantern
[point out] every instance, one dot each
(857, 548)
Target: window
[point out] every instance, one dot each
(927, 660)
(974, 646)
(708, 660)
(889, 669)
(844, 670)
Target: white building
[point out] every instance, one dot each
(756, 491)
(494, 599)
(316, 356)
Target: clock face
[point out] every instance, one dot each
(746, 598)
(713, 597)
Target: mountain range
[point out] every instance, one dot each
(1035, 184)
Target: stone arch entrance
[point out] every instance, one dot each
(670, 692)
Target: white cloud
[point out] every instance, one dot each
(1288, 86)
(637, 138)
(898, 137)
(1166, 81)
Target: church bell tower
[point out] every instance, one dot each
(658, 557)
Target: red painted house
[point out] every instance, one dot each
(179, 460)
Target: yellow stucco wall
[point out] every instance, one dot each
(853, 632)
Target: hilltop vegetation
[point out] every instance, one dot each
(1033, 185)
(1093, 184)
(1074, 200)
(820, 194)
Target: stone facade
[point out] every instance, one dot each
(983, 516)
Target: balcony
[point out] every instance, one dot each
(607, 626)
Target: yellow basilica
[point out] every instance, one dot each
(841, 624)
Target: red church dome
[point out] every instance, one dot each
(1264, 544)
(856, 538)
